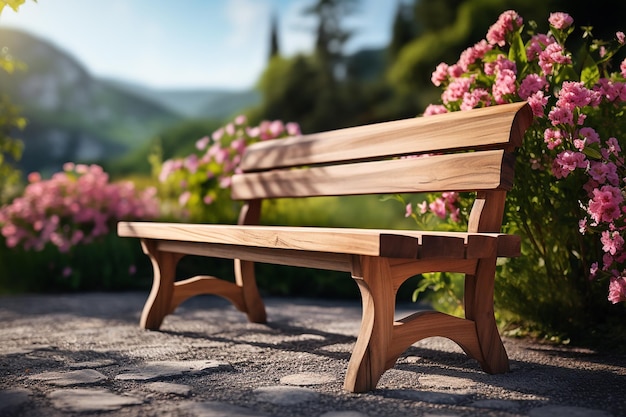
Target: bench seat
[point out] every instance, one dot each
(351, 241)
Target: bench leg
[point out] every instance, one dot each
(246, 280)
(479, 290)
(159, 301)
(369, 357)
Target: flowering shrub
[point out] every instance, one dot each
(74, 207)
(570, 177)
(201, 181)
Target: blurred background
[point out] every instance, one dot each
(105, 81)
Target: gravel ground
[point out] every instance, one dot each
(85, 355)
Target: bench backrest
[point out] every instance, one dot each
(461, 151)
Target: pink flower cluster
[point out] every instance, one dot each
(484, 75)
(73, 207)
(445, 206)
(204, 174)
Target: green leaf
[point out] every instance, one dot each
(517, 52)
(592, 153)
(589, 74)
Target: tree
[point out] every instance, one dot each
(403, 30)
(10, 120)
(274, 47)
(330, 35)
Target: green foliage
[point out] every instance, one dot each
(10, 121)
(174, 141)
(109, 264)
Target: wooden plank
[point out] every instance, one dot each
(486, 170)
(371, 242)
(488, 127)
(306, 259)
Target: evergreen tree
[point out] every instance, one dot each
(404, 28)
(330, 35)
(274, 47)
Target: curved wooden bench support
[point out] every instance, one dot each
(368, 360)
(159, 301)
(425, 324)
(203, 284)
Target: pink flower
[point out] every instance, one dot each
(561, 116)
(537, 44)
(476, 98)
(241, 119)
(560, 20)
(433, 109)
(612, 90)
(230, 129)
(456, 89)
(553, 54)
(440, 74)
(455, 71)
(408, 210)
(184, 197)
(191, 163)
(613, 146)
(217, 135)
(617, 289)
(553, 138)
(504, 85)
(438, 207)
(34, 177)
(589, 135)
(604, 205)
(201, 144)
(575, 94)
(293, 129)
(566, 162)
(537, 102)
(467, 58)
(602, 172)
(531, 84)
(612, 242)
(620, 37)
(500, 64)
(507, 22)
(622, 68)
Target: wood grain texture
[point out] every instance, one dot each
(488, 170)
(496, 126)
(371, 242)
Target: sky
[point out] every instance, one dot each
(186, 44)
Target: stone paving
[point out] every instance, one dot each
(84, 355)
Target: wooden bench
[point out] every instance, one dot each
(468, 151)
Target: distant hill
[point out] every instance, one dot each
(195, 103)
(73, 116)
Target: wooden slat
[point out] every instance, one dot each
(369, 242)
(306, 259)
(350, 241)
(473, 129)
(486, 170)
